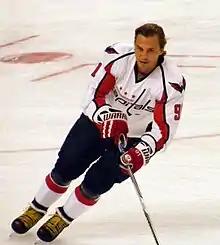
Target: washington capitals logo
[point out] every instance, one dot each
(178, 87)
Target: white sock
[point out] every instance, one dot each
(77, 204)
(49, 192)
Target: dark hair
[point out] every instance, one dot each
(151, 29)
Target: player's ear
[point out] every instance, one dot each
(163, 52)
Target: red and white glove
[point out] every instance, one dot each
(111, 123)
(135, 157)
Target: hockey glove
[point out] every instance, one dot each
(111, 123)
(135, 157)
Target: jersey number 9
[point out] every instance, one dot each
(177, 111)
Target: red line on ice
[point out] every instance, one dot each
(18, 41)
(204, 136)
(197, 137)
(61, 72)
(91, 64)
(194, 56)
(197, 66)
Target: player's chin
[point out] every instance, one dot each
(145, 67)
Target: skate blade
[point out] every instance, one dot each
(38, 242)
(14, 234)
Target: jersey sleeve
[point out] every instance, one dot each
(167, 114)
(103, 81)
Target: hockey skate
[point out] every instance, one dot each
(27, 220)
(52, 228)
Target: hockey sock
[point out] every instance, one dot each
(48, 193)
(78, 203)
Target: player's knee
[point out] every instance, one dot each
(97, 188)
(99, 179)
(88, 193)
(59, 179)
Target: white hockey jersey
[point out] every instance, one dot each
(154, 100)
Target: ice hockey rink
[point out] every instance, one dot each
(41, 100)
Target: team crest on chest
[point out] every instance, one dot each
(133, 103)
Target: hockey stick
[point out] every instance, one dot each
(121, 147)
(137, 189)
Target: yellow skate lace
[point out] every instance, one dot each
(55, 225)
(30, 217)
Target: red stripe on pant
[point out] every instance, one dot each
(55, 187)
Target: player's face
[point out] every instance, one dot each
(147, 52)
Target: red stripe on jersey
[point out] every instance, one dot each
(81, 198)
(53, 186)
(104, 87)
(160, 119)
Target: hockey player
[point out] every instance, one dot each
(135, 92)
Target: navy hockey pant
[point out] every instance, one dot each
(81, 148)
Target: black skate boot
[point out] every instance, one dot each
(27, 220)
(53, 227)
